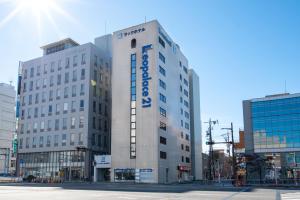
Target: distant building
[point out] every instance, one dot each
(64, 110)
(272, 136)
(239, 147)
(7, 127)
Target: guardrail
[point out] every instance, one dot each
(10, 179)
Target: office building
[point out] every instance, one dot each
(64, 110)
(195, 126)
(151, 108)
(272, 136)
(7, 126)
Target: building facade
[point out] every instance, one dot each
(151, 119)
(195, 126)
(7, 127)
(64, 110)
(272, 135)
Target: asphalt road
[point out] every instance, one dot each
(85, 191)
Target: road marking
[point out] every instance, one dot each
(234, 194)
(290, 196)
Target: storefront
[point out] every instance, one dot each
(53, 166)
(184, 173)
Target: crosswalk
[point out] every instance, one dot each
(290, 196)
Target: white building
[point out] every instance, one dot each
(151, 111)
(7, 125)
(64, 113)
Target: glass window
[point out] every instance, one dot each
(162, 57)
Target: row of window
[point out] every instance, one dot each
(57, 125)
(52, 66)
(41, 141)
(65, 109)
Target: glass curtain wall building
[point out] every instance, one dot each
(272, 133)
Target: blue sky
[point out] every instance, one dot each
(240, 49)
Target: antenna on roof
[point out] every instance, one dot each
(145, 19)
(285, 86)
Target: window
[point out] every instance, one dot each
(41, 141)
(162, 84)
(59, 65)
(42, 125)
(182, 147)
(73, 90)
(64, 140)
(49, 125)
(94, 106)
(163, 126)
(56, 124)
(161, 42)
(21, 143)
(67, 62)
(81, 89)
(27, 142)
(93, 139)
(185, 69)
(162, 70)
(73, 106)
(186, 103)
(36, 111)
(187, 137)
(162, 112)
(34, 142)
(51, 81)
(50, 110)
(66, 92)
(37, 98)
(81, 105)
(57, 108)
(163, 155)
(64, 123)
(133, 43)
(55, 140)
(82, 74)
(187, 148)
(66, 107)
(75, 75)
(44, 82)
(162, 57)
(38, 70)
(48, 143)
(75, 61)
(38, 84)
(80, 139)
(187, 160)
(163, 140)
(72, 139)
(81, 121)
(186, 93)
(45, 68)
(67, 77)
(186, 125)
(186, 114)
(83, 59)
(58, 79)
(31, 72)
(52, 67)
(99, 140)
(58, 94)
(185, 82)
(73, 120)
(162, 98)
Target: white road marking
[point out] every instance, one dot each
(290, 196)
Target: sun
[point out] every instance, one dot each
(37, 6)
(40, 12)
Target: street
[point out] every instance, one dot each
(79, 191)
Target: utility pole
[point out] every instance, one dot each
(233, 154)
(211, 152)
